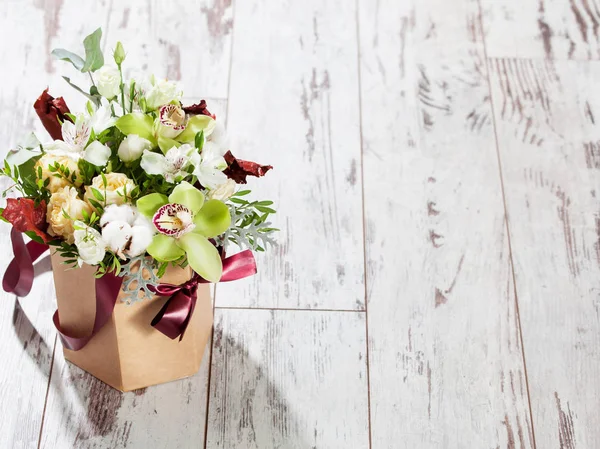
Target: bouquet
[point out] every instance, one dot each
(136, 182)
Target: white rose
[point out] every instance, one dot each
(108, 82)
(97, 153)
(89, 242)
(132, 147)
(223, 192)
(162, 92)
(126, 231)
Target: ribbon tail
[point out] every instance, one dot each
(18, 278)
(107, 291)
(174, 316)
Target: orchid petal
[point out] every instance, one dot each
(202, 256)
(137, 123)
(164, 248)
(188, 195)
(165, 144)
(213, 219)
(194, 125)
(149, 204)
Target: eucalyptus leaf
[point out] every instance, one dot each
(94, 59)
(66, 55)
(94, 98)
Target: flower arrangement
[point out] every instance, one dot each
(137, 181)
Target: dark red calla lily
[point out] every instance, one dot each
(25, 216)
(52, 112)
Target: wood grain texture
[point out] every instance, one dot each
(446, 368)
(552, 29)
(288, 379)
(548, 138)
(187, 41)
(294, 104)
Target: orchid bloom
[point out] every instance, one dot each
(101, 117)
(185, 222)
(75, 143)
(173, 165)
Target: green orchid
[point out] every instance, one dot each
(168, 129)
(185, 222)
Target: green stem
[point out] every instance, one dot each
(92, 78)
(122, 90)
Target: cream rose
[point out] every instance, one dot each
(63, 208)
(58, 182)
(117, 190)
(223, 192)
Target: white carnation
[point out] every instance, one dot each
(90, 244)
(108, 81)
(132, 147)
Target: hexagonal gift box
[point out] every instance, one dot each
(128, 353)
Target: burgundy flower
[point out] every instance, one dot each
(25, 216)
(51, 112)
(238, 169)
(198, 109)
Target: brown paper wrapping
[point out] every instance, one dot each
(128, 353)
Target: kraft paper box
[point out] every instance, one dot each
(128, 353)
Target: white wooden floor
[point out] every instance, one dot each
(437, 171)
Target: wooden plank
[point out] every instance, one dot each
(185, 40)
(294, 105)
(83, 412)
(548, 138)
(444, 346)
(552, 29)
(288, 379)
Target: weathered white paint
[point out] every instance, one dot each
(546, 115)
(288, 379)
(552, 29)
(446, 367)
(294, 104)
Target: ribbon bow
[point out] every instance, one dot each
(174, 317)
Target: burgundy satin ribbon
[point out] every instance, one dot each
(174, 317)
(18, 279)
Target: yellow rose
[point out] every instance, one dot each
(65, 202)
(58, 182)
(117, 190)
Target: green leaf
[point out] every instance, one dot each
(66, 55)
(94, 98)
(97, 194)
(137, 123)
(188, 195)
(164, 248)
(242, 193)
(202, 256)
(194, 125)
(213, 219)
(265, 209)
(93, 52)
(149, 204)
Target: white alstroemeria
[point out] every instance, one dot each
(75, 138)
(90, 244)
(159, 92)
(210, 169)
(173, 165)
(108, 82)
(101, 117)
(97, 153)
(223, 192)
(132, 147)
(126, 232)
